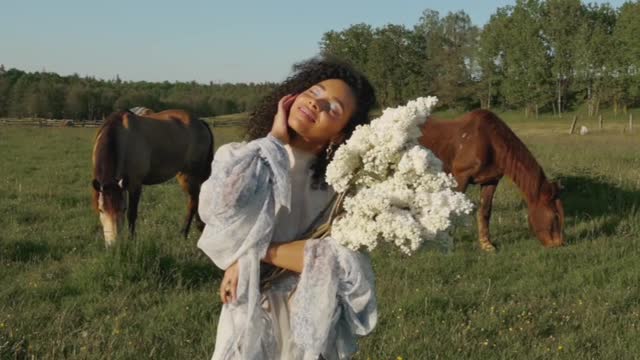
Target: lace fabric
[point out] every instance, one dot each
(334, 296)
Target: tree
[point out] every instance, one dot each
(449, 45)
(627, 73)
(562, 19)
(4, 96)
(76, 102)
(526, 82)
(351, 44)
(388, 67)
(490, 57)
(594, 48)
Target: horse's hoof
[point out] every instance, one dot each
(487, 247)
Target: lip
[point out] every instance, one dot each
(307, 114)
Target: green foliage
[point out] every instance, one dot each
(49, 95)
(626, 35)
(537, 55)
(389, 74)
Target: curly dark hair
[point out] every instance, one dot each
(305, 75)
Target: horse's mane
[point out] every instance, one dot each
(513, 156)
(105, 151)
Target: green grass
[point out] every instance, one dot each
(62, 295)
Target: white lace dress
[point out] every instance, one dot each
(260, 192)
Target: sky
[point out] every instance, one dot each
(215, 40)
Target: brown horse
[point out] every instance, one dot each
(131, 151)
(479, 148)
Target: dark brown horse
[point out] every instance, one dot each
(131, 151)
(479, 148)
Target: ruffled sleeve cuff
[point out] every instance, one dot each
(336, 291)
(249, 183)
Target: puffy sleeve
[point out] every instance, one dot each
(248, 184)
(321, 322)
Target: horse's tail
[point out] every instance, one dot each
(513, 156)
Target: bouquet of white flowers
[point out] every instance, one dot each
(394, 188)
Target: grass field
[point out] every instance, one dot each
(62, 295)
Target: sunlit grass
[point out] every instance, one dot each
(62, 295)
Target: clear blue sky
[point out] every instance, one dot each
(215, 40)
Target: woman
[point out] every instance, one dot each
(261, 202)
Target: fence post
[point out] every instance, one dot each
(573, 124)
(600, 121)
(630, 122)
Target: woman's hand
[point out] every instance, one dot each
(229, 284)
(280, 128)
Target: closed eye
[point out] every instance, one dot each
(316, 91)
(335, 109)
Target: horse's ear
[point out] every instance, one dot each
(96, 185)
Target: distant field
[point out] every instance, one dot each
(63, 296)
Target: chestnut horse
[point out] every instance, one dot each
(131, 151)
(479, 148)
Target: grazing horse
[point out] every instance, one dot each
(479, 148)
(131, 151)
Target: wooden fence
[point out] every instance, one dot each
(36, 122)
(576, 120)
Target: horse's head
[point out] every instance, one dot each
(546, 216)
(110, 200)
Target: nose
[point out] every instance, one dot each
(110, 235)
(110, 226)
(317, 104)
(313, 104)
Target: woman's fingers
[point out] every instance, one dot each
(234, 290)
(283, 108)
(229, 284)
(280, 128)
(289, 101)
(222, 293)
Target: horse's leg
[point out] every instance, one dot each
(194, 196)
(465, 166)
(191, 185)
(484, 216)
(132, 211)
(463, 182)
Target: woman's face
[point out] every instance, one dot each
(321, 112)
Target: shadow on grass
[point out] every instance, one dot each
(595, 198)
(146, 261)
(25, 251)
(188, 273)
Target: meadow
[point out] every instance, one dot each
(63, 295)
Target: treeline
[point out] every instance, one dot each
(551, 56)
(49, 95)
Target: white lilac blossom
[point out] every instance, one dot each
(396, 189)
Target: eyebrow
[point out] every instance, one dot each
(333, 97)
